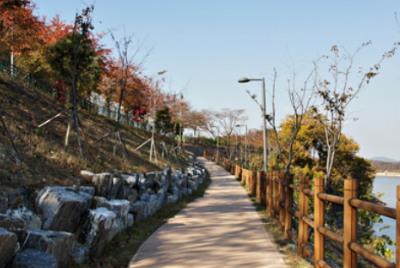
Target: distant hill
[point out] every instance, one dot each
(384, 159)
(382, 166)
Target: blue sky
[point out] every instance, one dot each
(206, 46)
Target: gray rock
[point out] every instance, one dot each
(146, 183)
(184, 182)
(192, 185)
(162, 199)
(80, 255)
(61, 208)
(172, 198)
(117, 183)
(31, 258)
(87, 173)
(8, 246)
(121, 210)
(144, 197)
(128, 193)
(12, 224)
(3, 202)
(30, 219)
(132, 180)
(57, 243)
(185, 191)
(135, 208)
(131, 220)
(88, 189)
(103, 183)
(97, 229)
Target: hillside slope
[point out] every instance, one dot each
(43, 160)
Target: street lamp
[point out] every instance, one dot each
(245, 142)
(246, 80)
(217, 142)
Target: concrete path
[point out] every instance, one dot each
(221, 230)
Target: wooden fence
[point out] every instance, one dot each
(276, 190)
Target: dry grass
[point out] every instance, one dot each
(43, 159)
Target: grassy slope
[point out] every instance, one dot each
(43, 160)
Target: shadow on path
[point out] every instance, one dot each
(220, 230)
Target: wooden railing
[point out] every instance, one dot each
(276, 190)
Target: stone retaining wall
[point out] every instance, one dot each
(67, 224)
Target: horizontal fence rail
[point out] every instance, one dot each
(276, 191)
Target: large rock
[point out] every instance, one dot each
(121, 210)
(13, 224)
(61, 208)
(128, 193)
(117, 183)
(57, 243)
(103, 183)
(8, 246)
(96, 229)
(31, 258)
(137, 210)
(132, 180)
(31, 220)
(3, 203)
(80, 255)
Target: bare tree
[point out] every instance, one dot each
(300, 100)
(129, 65)
(336, 94)
(228, 119)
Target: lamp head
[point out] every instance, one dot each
(244, 80)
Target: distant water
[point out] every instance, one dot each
(388, 186)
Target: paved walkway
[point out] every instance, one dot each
(221, 230)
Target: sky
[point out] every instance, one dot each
(206, 46)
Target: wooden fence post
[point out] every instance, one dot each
(281, 200)
(288, 204)
(319, 220)
(303, 211)
(254, 183)
(276, 195)
(350, 224)
(398, 228)
(258, 188)
(269, 194)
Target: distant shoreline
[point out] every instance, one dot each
(388, 174)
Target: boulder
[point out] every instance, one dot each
(57, 243)
(96, 229)
(21, 197)
(80, 255)
(61, 208)
(8, 246)
(131, 220)
(11, 223)
(121, 210)
(146, 183)
(172, 198)
(137, 210)
(87, 173)
(31, 258)
(88, 189)
(128, 193)
(103, 183)
(192, 186)
(116, 185)
(132, 180)
(3, 203)
(185, 191)
(30, 219)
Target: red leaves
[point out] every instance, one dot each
(138, 113)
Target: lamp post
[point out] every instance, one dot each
(246, 80)
(217, 141)
(245, 142)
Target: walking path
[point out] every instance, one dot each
(221, 230)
